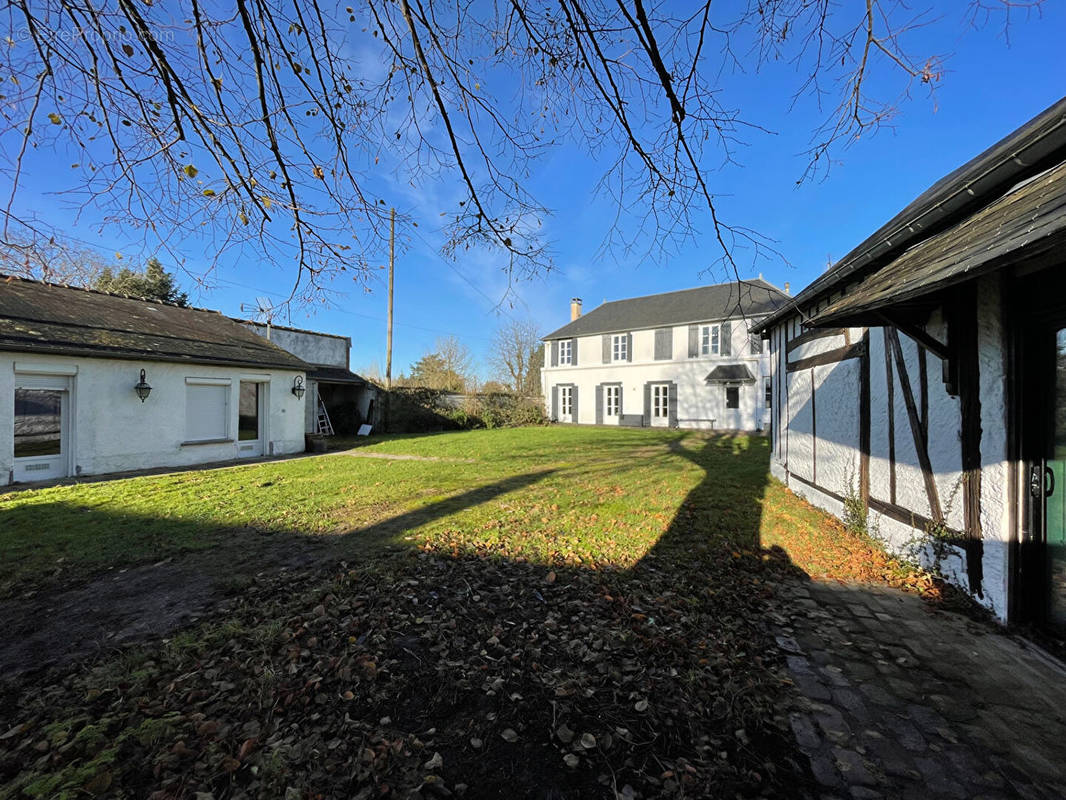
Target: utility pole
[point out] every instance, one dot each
(388, 332)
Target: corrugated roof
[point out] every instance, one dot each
(702, 304)
(37, 317)
(1036, 145)
(1027, 221)
(730, 373)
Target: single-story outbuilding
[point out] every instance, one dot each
(94, 383)
(922, 380)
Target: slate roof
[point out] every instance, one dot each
(1034, 147)
(37, 317)
(730, 373)
(329, 374)
(1029, 220)
(703, 304)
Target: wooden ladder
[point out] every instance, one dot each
(324, 426)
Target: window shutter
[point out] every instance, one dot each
(726, 346)
(664, 344)
(647, 404)
(555, 402)
(672, 405)
(599, 404)
(629, 347)
(606, 348)
(573, 404)
(756, 344)
(573, 352)
(555, 354)
(693, 341)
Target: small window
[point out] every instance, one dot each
(566, 400)
(566, 351)
(613, 401)
(620, 347)
(756, 344)
(206, 411)
(709, 340)
(769, 393)
(732, 397)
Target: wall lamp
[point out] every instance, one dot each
(298, 386)
(142, 388)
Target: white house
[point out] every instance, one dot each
(923, 378)
(682, 359)
(93, 383)
(348, 400)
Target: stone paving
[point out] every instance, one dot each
(898, 699)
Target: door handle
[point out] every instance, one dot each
(1049, 482)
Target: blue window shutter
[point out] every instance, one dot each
(573, 351)
(647, 404)
(693, 341)
(573, 407)
(599, 403)
(555, 354)
(629, 347)
(725, 347)
(672, 405)
(555, 402)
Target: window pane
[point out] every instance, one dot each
(248, 412)
(38, 422)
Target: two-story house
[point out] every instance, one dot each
(683, 359)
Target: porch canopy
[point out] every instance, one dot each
(730, 373)
(1024, 225)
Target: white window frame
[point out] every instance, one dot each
(226, 384)
(710, 340)
(660, 401)
(612, 401)
(620, 347)
(566, 352)
(566, 401)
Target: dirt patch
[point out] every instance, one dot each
(54, 626)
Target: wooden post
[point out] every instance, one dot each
(388, 332)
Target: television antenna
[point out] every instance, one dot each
(263, 311)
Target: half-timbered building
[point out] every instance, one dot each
(920, 384)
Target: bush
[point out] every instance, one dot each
(420, 410)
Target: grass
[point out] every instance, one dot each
(551, 495)
(542, 611)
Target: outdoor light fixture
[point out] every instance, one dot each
(142, 388)
(298, 386)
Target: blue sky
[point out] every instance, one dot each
(988, 90)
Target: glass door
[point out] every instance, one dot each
(40, 435)
(250, 419)
(1054, 492)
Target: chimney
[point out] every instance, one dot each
(575, 308)
(787, 288)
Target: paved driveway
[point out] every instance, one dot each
(900, 700)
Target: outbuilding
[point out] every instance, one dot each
(919, 386)
(94, 383)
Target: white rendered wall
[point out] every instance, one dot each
(112, 431)
(699, 404)
(830, 452)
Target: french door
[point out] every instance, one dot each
(660, 404)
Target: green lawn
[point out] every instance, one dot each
(536, 612)
(552, 495)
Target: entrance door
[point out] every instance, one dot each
(660, 405)
(566, 404)
(41, 429)
(250, 419)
